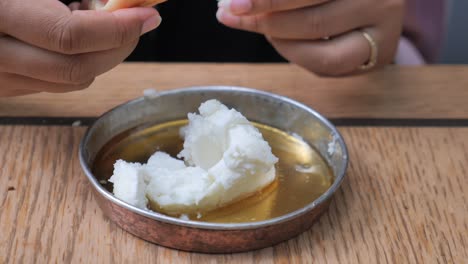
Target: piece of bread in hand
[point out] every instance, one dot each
(111, 5)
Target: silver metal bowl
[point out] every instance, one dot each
(266, 108)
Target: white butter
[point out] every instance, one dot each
(226, 159)
(162, 160)
(129, 184)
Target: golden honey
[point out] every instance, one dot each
(302, 174)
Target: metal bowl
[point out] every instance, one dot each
(266, 108)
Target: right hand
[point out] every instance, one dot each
(47, 47)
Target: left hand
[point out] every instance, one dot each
(323, 36)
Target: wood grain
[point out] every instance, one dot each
(396, 92)
(404, 201)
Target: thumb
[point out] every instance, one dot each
(51, 25)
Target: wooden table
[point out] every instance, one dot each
(405, 198)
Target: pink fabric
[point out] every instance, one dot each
(408, 54)
(423, 32)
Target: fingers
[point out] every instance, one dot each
(85, 4)
(298, 29)
(251, 7)
(23, 59)
(314, 22)
(11, 93)
(113, 5)
(338, 56)
(19, 85)
(74, 6)
(51, 25)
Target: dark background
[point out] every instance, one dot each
(190, 32)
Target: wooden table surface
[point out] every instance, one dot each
(405, 198)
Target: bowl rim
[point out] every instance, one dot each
(208, 225)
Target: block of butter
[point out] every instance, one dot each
(225, 159)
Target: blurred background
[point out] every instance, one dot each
(455, 45)
(435, 31)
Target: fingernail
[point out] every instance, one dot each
(219, 14)
(150, 24)
(224, 3)
(240, 6)
(226, 17)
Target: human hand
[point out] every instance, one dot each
(324, 36)
(47, 47)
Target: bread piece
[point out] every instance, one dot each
(113, 5)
